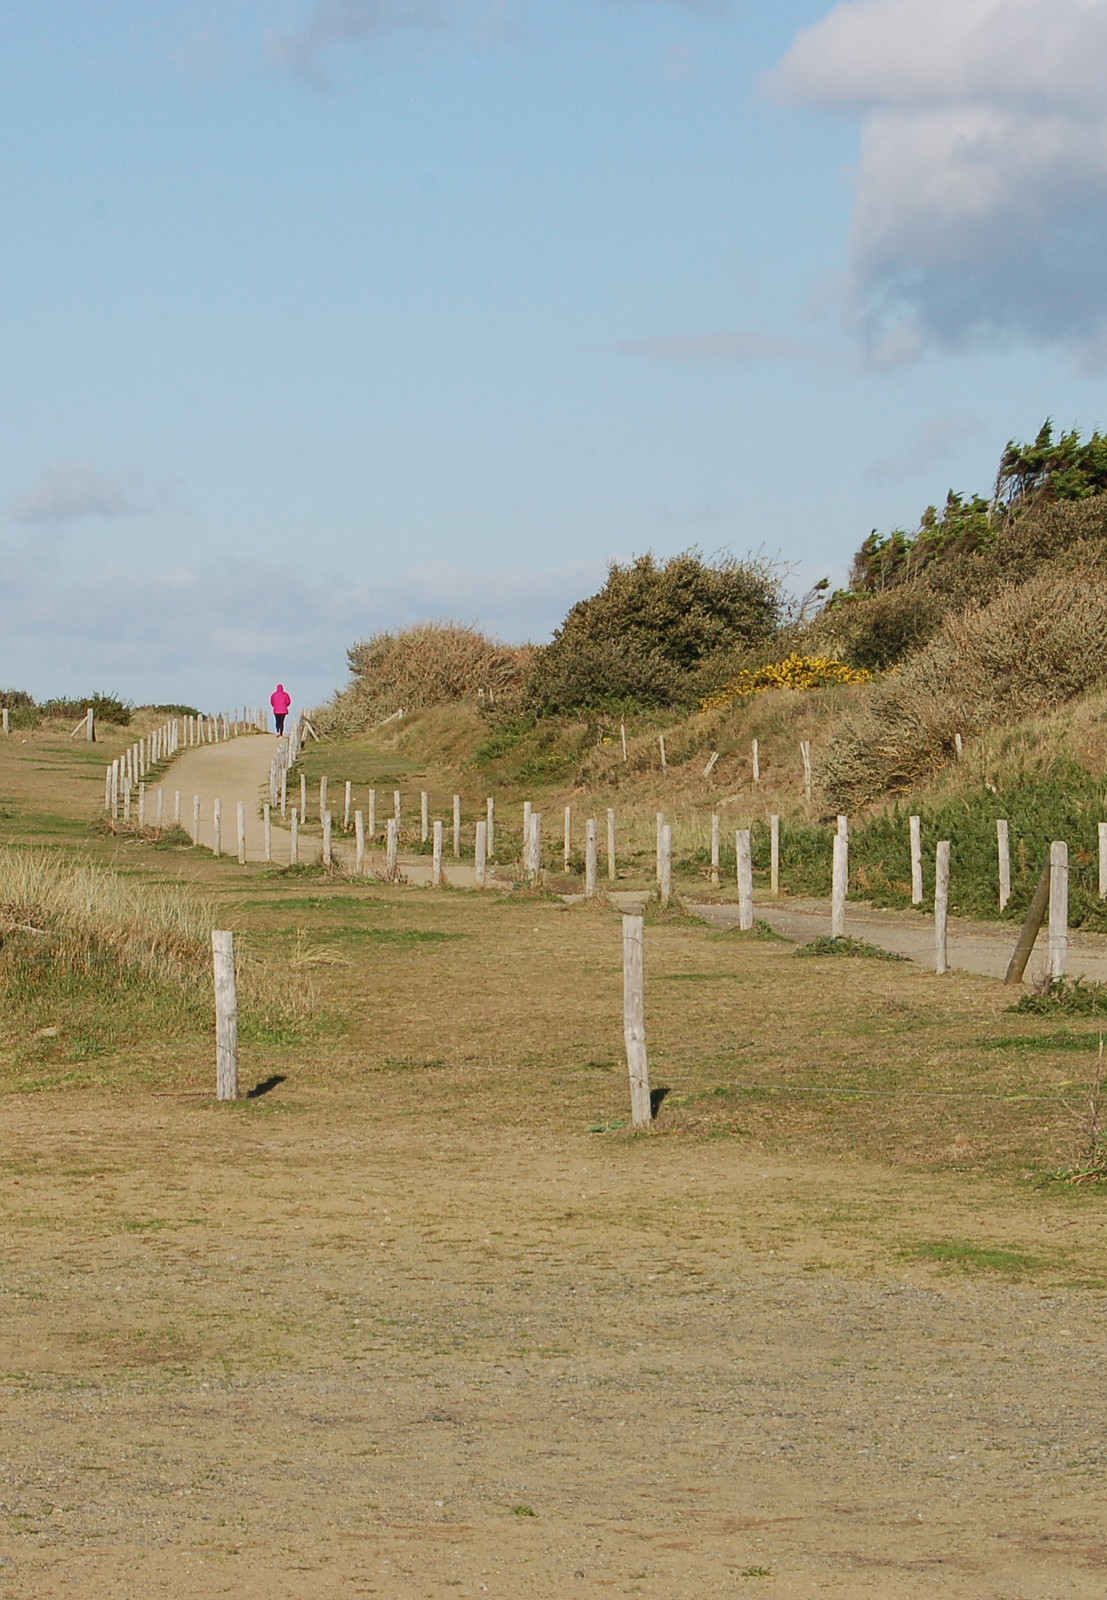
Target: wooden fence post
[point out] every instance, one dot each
(958, 745)
(159, 807)
(91, 726)
(1028, 933)
(346, 806)
(392, 847)
(424, 816)
(240, 829)
(217, 827)
(396, 805)
(610, 845)
(710, 767)
(6, 720)
(1003, 849)
(196, 819)
(665, 876)
(839, 886)
(480, 854)
(567, 842)
(372, 823)
(622, 734)
(744, 860)
(303, 797)
(457, 827)
(226, 1016)
(661, 746)
(324, 785)
(267, 833)
(436, 858)
(327, 855)
(294, 847)
(716, 838)
(527, 809)
(142, 805)
(634, 1021)
(755, 761)
(176, 808)
(1058, 908)
(774, 854)
(805, 752)
(591, 861)
(915, 824)
(941, 906)
(359, 842)
(490, 830)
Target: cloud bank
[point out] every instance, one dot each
(70, 490)
(981, 190)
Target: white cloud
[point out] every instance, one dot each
(935, 441)
(338, 22)
(981, 190)
(714, 347)
(70, 490)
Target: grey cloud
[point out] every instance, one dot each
(70, 490)
(936, 440)
(696, 347)
(981, 188)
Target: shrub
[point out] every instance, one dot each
(1038, 645)
(428, 664)
(874, 631)
(106, 707)
(794, 672)
(13, 699)
(652, 625)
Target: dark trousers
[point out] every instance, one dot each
(278, 718)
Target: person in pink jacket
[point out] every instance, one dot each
(280, 700)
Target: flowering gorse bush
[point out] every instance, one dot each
(794, 672)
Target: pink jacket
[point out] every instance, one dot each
(280, 699)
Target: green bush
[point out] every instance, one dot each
(106, 707)
(652, 626)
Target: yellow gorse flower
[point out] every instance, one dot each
(794, 672)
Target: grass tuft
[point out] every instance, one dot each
(825, 946)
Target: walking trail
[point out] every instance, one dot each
(239, 771)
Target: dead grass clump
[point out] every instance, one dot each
(1036, 646)
(428, 664)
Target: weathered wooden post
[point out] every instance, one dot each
(327, 855)
(396, 805)
(324, 785)
(958, 745)
(490, 835)
(712, 762)
(805, 752)
(424, 816)
(480, 854)
(436, 857)
(622, 735)
(347, 805)
(217, 827)
(1058, 908)
(567, 841)
(142, 805)
(267, 833)
(755, 761)
(6, 719)
(1003, 850)
(591, 858)
(774, 854)
(941, 906)
(610, 845)
(661, 746)
(457, 827)
(527, 809)
(744, 858)
(240, 829)
(634, 1021)
(392, 847)
(915, 827)
(303, 797)
(196, 819)
(294, 845)
(359, 842)
(226, 1015)
(372, 822)
(536, 846)
(176, 808)
(716, 841)
(839, 886)
(91, 726)
(665, 877)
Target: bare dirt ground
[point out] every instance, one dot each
(425, 1319)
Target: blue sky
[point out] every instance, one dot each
(329, 315)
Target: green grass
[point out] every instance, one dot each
(825, 946)
(972, 1257)
(1070, 997)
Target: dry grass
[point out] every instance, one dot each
(1037, 646)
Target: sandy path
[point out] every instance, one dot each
(238, 771)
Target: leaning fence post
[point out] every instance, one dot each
(839, 886)
(916, 861)
(805, 752)
(590, 858)
(226, 1015)
(941, 906)
(1028, 933)
(610, 845)
(1003, 847)
(436, 859)
(716, 833)
(480, 854)
(359, 842)
(1058, 908)
(665, 876)
(634, 1020)
(664, 759)
(240, 827)
(744, 860)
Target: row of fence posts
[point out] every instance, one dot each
(126, 773)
